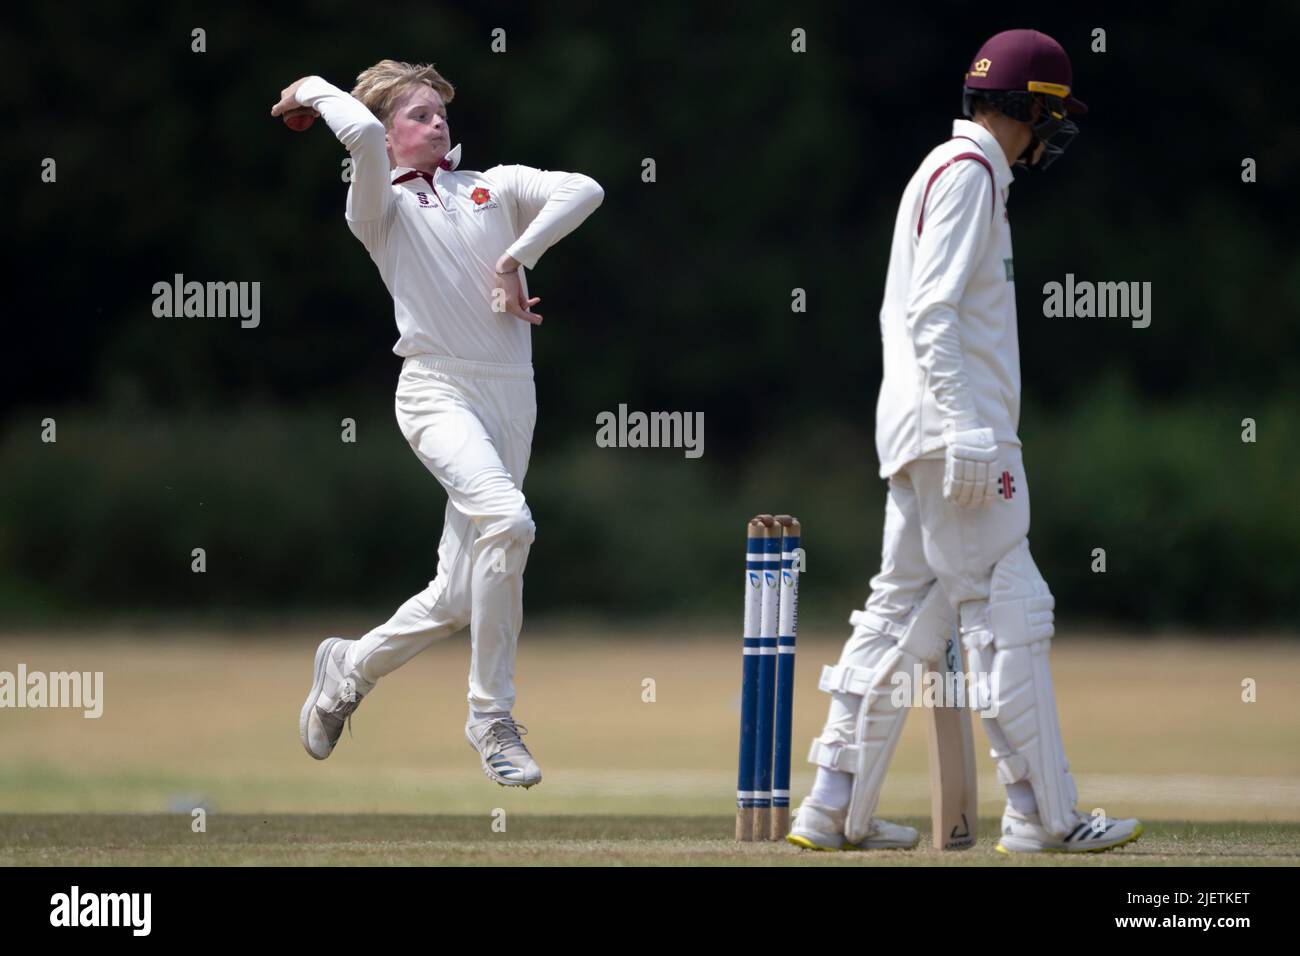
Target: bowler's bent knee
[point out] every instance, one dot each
(515, 526)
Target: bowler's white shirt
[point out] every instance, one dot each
(948, 321)
(436, 241)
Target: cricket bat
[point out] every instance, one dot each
(952, 764)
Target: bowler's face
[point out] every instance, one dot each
(418, 135)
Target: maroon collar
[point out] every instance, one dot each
(428, 177)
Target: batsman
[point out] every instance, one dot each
(956, 521)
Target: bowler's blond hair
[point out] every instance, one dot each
(382, 86)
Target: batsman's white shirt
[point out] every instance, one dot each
(436, 240)
(948, 321)
(465, 399)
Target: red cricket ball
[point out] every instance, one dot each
(299, 119)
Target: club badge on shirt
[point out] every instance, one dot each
(482, 199)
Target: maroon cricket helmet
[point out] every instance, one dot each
(1010, 72)
(1024, 61)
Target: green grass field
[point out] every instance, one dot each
(556, 840)
(1155, 728)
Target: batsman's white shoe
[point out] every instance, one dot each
(334, 696)
(505, 758)
(818, 827)
(1022, 833)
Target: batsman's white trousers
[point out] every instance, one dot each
(927, 539)
(471, 423)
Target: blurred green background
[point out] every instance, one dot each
(775, 170)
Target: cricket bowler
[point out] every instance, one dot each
(957, 510)
(450, 245)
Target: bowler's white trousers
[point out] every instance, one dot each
(471, 423)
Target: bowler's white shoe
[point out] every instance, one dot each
(819, 827)
(334, 696)
(1023, 833)
(505, 759)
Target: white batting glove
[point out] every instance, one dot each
(970, 468)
